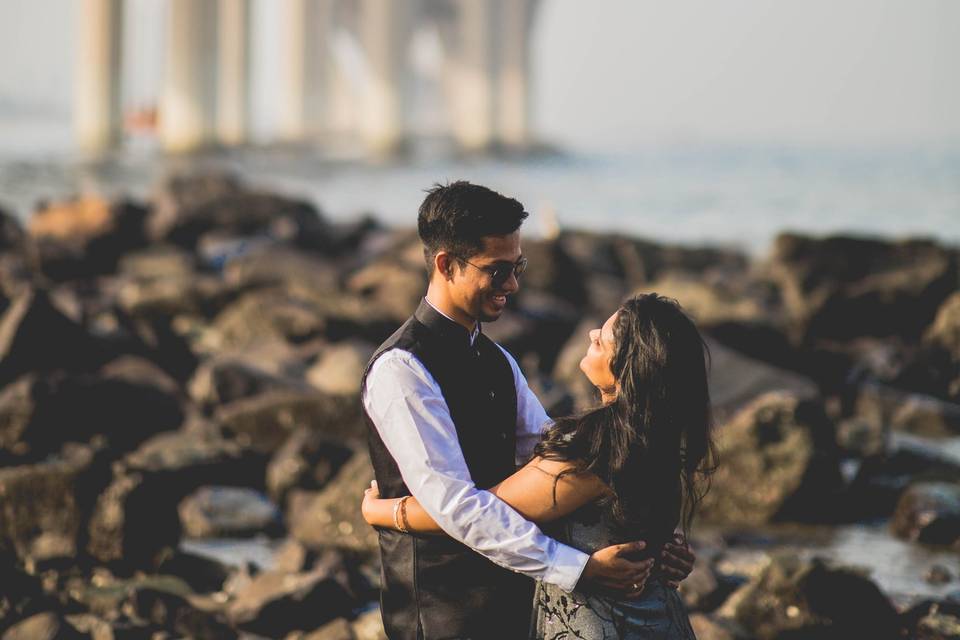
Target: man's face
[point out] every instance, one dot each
(472, 289)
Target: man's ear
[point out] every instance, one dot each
(443, 262)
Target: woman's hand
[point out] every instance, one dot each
(371, 498)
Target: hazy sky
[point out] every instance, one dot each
(618, 73)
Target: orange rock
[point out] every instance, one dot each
(64, 220)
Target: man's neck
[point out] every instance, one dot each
(442, 304)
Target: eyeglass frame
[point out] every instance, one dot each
(516, 268)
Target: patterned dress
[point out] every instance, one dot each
(560, 615)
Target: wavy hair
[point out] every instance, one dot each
(652, 445)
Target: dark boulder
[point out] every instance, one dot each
(44, 506)
(276, 603)
(188, 207)
(37, 336)
(228, 512)
(929, 513)
(228, 377)
(136, 516)
(780, 462)
(264, 422)
(44, 626)
(838, 288)
(127, 403)
(85, 237)
(307, 460)
(811, 599)
(11, 232)
(331, 517)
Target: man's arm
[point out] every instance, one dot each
(412, 418)
(532, 418)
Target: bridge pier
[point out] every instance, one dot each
(97, 116)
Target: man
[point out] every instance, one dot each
(450, 415)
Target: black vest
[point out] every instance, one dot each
(433, 586)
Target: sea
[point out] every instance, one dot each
(736, 195)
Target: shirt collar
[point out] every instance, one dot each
(427, 314)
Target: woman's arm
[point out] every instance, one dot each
(530, 492)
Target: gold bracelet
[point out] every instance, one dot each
(403, 514)
(396, 516)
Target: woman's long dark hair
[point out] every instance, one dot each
(652, 445)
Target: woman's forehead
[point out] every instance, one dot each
(606, 331)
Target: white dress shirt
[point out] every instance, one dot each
(409, 411)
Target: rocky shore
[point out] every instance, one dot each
(187, 369)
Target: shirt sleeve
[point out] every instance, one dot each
(532, 418)
(410, 414)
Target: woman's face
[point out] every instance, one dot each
(596, 364)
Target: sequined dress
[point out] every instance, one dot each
(658, 613)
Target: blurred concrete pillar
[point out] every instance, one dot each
(188, 98)
(304, 67)
(233, 71)
(478, 41)
(97, 116)
(384, 27)
(513, 78)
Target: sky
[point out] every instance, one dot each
(617, 74)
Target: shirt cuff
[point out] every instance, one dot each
(568, 564)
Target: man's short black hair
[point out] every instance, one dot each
(456, 217)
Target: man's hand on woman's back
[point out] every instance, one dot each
(613, 568)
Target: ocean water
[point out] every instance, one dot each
(723, 194)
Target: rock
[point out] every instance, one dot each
(228, 512)
(307, 460)
(11, 232)
(369, 626)
(331, 517)
(22, 594)
(705, 628)
(202, 574)
(393, 289)
(934, 620)
(36, 336)
(299, 272)
(239, 213)
(85, 237)
(929, 513)
(735, 380)
(293, 557)
(339, 368)
(707, 303)
(938, 575)
(120, 404)
(187, 191)
(176, 613)
(779, 462)
(935, 367)
(277, 603)
(106, 596)
(338, 629)
(224, 379)
(881, 479)
(811, 599)
(839, 287)
(43, 626)
(50, 500)
(136, 516)
(266, 314)
(884, 407)
(264, 422)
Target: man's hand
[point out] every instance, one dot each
(676, 561)
(611, 568)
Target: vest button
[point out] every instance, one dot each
(503, 436)
(492, 395)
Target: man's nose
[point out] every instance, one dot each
(511, 284)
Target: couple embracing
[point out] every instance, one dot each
(494, 520)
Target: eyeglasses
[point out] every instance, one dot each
(500, 272)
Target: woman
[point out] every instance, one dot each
(633, 468)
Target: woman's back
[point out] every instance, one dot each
(658, 612)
